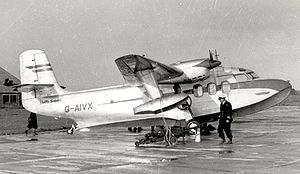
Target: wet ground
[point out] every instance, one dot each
(266, 142)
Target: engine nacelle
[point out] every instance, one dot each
(161, 104)
(193, 71)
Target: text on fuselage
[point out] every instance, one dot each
(79, 107)
(50, 100)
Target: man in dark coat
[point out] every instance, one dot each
(225, 119)
(32, 123)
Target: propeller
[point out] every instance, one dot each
(210, 63)
(211, 58)
(213, 62)
(216, 55)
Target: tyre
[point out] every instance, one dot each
(192, 126)
(173, 140)
(137, 144)
(70, 131)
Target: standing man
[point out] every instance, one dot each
(32, 123)
(225, 119)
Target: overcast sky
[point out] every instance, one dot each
(82, 38)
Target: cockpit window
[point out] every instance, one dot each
(241, 77)
(254, 75)
(249, 77)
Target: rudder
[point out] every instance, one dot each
(35, 68)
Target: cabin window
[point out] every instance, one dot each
(197, 90)
(212, 89)
(225, 87)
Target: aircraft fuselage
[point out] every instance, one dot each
(115, 104)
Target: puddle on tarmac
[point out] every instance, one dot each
(226, 151)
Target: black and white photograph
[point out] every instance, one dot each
(149, 87)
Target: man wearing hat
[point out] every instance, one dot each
(225, 119)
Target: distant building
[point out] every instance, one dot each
(8, 97)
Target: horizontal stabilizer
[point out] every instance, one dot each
(41, 89)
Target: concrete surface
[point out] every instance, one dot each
(266, 142)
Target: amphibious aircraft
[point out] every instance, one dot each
(148, 98)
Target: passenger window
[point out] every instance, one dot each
(225, 87)
(197, 90)
(212, 89)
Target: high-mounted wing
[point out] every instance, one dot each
(130, 64)
(138, 70)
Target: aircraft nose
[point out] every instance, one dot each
(275, 84)
(283, 89)
(279, 85)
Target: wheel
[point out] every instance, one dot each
(70, 131)
(192, 126)
(139, 129)
(137, 144)
(134, 129)
(173, 140)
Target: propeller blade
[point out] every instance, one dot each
(210, 63)
(216, 55)
(211, 57)
(216, 63)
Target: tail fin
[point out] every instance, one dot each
(37, 77)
